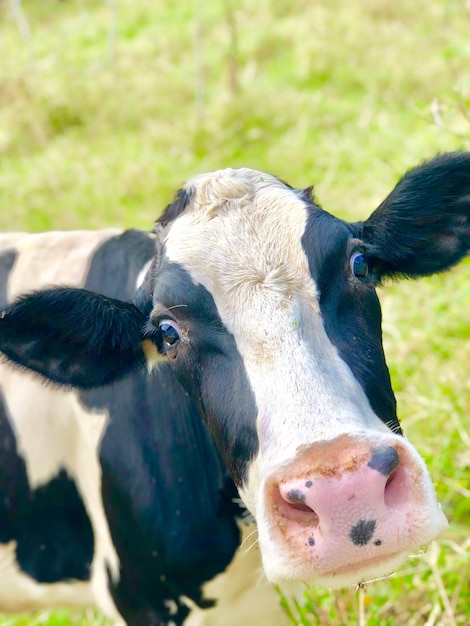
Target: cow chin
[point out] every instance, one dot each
(345, 511)
(279, 569)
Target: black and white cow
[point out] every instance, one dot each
(263, 307)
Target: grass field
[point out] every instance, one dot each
(108, 106)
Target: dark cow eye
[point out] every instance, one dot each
(169, 335)
(358, 263)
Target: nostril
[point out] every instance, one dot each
(293, 505)
(384, 459)
(394, 492)
(301, 507)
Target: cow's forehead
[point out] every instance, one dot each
(241, 237)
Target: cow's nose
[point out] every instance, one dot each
(363, 494)
(345, 510)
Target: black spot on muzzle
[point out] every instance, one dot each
(384, 459)
(361, 533)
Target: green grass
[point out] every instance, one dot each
(58, 618)
(104, 116)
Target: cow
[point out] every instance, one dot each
(247, 370)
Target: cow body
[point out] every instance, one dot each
(263, 307)
(101, 509)
(45, 440)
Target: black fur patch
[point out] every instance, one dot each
(167, 495)
(350, 311)
(55, 540)
(116, 264)
(211, 369)
(50, 524)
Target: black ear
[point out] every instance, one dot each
(423, 226)
(181, 200)
(73, 337)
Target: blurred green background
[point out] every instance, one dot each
(107, 107)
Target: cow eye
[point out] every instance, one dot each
(169, 335)
(358, 264)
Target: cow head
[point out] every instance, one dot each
(265, 307)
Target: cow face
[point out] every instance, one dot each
(265, 308)
(264, 305)
(237, 310)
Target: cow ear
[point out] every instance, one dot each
(423, 226)
(180, 202)
(73, 337)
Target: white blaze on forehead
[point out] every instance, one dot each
(241, 238)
